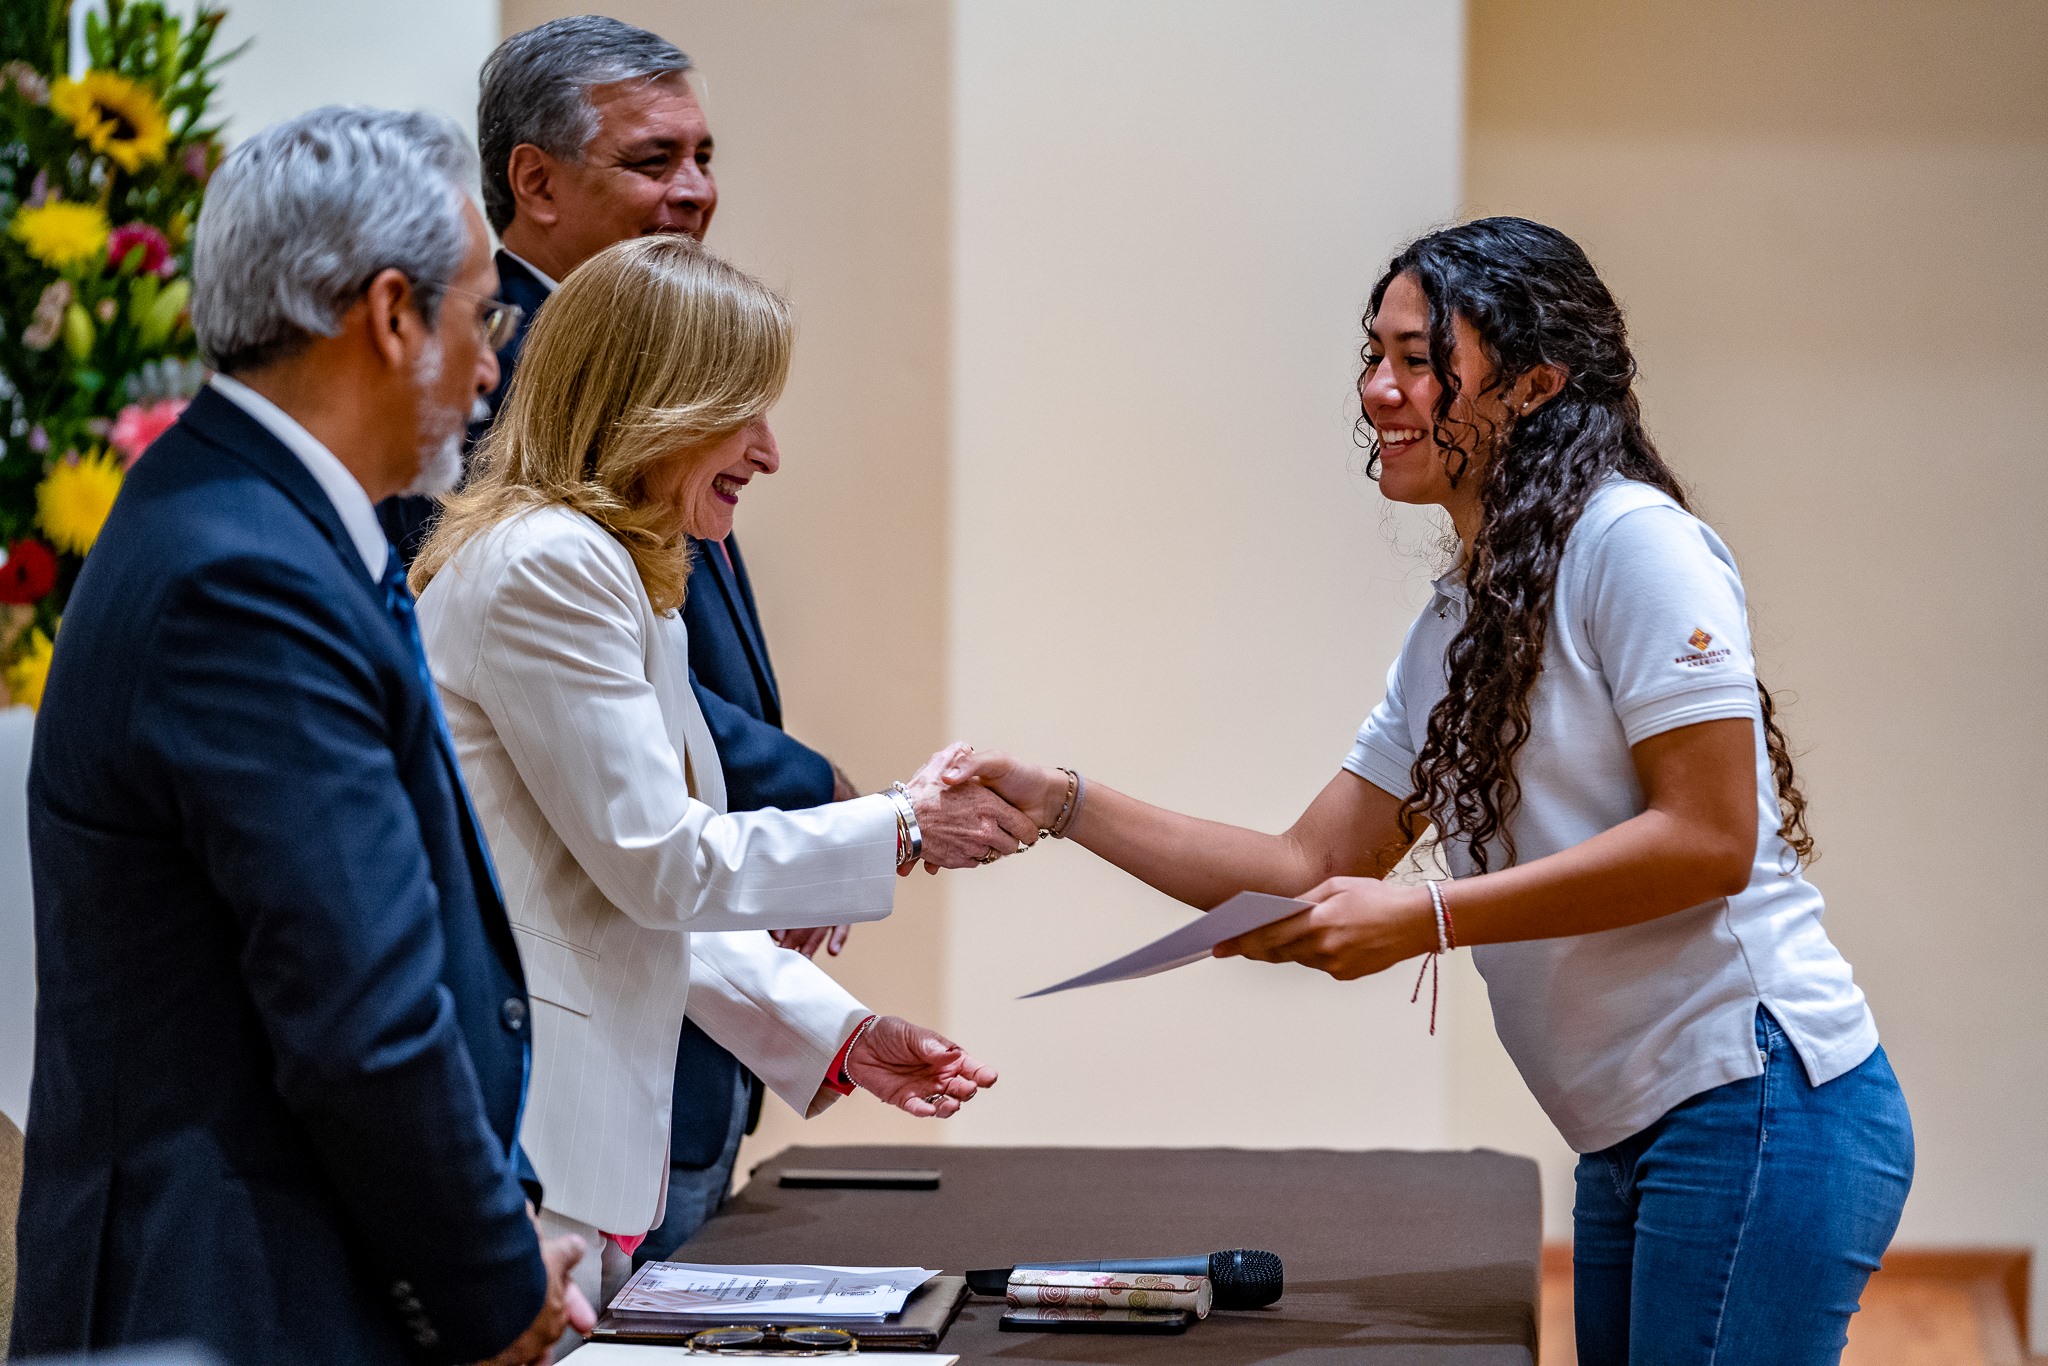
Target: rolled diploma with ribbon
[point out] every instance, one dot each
(1107, 1290)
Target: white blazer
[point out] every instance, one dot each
(595, 780)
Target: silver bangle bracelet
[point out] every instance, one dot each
(906, 818)
(852, 1042)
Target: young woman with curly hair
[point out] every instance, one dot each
(1577, 716)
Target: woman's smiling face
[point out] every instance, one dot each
(703, 484)
(1400, 393)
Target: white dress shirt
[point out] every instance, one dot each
(350, 499)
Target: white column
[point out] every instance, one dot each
(397, 54)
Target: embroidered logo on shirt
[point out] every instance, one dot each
(1701, 656)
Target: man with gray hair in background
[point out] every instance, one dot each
(591, 135)
(282, 1033)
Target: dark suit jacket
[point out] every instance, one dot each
(281, 1030)
(735, 683)
(407, 521)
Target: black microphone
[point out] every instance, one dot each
(1241, 1279)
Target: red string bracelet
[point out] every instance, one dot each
(1446, 940)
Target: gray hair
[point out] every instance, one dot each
(536, 88)
(301, 216)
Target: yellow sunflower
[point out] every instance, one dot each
(112, 114)
(30, 670)
(61, 234)
(74, 499)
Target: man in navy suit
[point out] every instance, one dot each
(281, 1029)
(591, 135)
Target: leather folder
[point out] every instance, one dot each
(918, 1327)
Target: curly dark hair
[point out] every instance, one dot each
(1533, 298)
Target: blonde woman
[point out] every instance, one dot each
(548, 605)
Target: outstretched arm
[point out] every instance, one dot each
(1350, 829)
(1694, 840)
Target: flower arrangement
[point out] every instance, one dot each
(100, 183)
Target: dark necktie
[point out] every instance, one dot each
(398, 602)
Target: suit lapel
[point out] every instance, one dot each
(739, 603)
(745, 584)
(228, 429)
(516, 285)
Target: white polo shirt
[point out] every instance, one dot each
(1649, 632)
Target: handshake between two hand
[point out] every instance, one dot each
(974, 808)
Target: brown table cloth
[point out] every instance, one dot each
(1392, 1257)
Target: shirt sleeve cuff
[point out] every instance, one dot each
(1724, 701)
(1384, 769)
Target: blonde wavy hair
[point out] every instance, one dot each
(649, 349)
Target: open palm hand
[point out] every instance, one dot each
(915, 1069)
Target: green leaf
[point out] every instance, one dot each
(142, 298)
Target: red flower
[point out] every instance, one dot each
(28, 573)
(156, 249)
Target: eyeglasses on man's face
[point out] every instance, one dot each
(499, 320)
(769, 1340)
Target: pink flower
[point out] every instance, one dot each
(156, 249)
(27, 80)
(138, 425)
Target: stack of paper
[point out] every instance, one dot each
(770, 1294)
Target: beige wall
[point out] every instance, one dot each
(1828, 223)
(1166, 573)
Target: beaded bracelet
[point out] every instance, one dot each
(1077, 792)
(1058, 828)
(845, 1077)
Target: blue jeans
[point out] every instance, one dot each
(1740, 1228)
